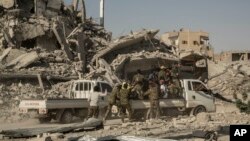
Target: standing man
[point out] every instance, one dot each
(94, 100)
(153, 94)
(124, 99)
(162, 73)
(138, 83)
(113, 100)
(175, 74)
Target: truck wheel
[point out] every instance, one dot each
(139, 114)
(66, 117)
(45, 120)
(199, 109)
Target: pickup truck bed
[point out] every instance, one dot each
(164, 103)
(56, 104)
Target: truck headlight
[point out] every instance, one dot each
(23, 110)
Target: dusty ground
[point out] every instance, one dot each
(177, 128)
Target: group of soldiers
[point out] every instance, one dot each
(160, 84)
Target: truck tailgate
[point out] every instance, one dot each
(164, 103)
(32, 104)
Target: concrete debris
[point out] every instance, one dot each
(181, 127)
(126, 41)
(30, 132)
(24, 60)
(230, 79)
(120, 138)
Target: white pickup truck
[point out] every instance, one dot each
(195, 98)
(63, 110)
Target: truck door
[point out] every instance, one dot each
(198, 94)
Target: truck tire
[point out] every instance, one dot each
(66, 117)
(45, 120)
(198, 109)
(140, 114)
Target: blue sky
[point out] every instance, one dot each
(227, 21)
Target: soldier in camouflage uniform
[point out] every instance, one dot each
(113, 100)
(175, 75)
(174, 91)
(138, 84)
(153, 94)
(162, 74)
(124, 99)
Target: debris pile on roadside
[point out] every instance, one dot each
(181, 127)
(231, 80)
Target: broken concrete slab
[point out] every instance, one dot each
(125, 42)
(24, 60)
(5, 53)
(7, 3)
(29, 31)
(58, 31)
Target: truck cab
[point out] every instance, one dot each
(64, 109)
(198, 96)
(82, 89)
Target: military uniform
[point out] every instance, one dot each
(138, 84)
(162, 74)
(124, 101)
(174, 91)
(112, 100)
(175, 76)
(153, 94)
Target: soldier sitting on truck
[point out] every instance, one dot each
(162, 73)
(164, 89)
(138, 80)
(113, 100)
(94, 100)
(174, 91)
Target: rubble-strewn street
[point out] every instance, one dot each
(50, 50)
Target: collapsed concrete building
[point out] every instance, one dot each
(232, 56)
(193, 49)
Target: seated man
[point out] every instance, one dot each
(163, 89)
(174, 91)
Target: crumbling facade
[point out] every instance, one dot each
(231, 56)
(186, 40)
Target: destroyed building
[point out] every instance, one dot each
(187, 41)
(193, 49)
(231, 56)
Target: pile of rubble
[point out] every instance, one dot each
(181, 127)
(231, 80)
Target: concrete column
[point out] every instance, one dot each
(102, 13)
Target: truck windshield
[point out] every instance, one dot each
(197, 86)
